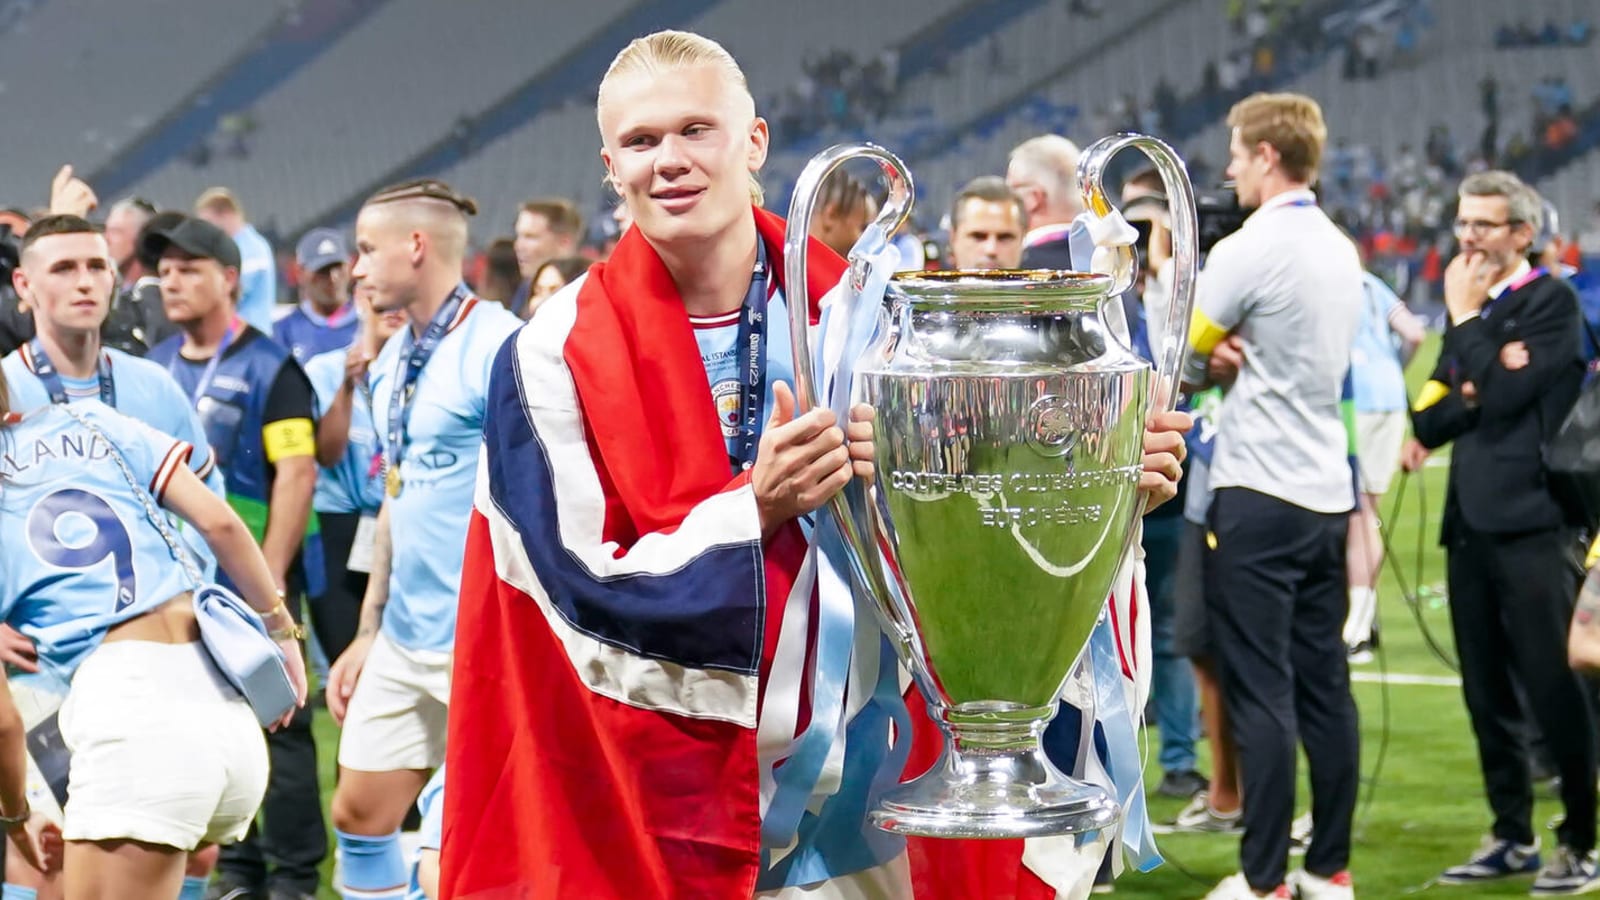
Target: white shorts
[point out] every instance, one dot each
(1378, 439)
(398, 713)
(164, 751)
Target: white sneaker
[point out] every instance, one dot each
(1300, 835)
(1234, 887)
(1306, 886)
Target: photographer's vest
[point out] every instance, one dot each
(232, 405)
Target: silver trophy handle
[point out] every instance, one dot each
(854, 518)
(1173, 348)
(896, 209)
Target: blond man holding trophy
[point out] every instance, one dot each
(666, 684)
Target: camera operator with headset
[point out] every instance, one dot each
(1287, 288)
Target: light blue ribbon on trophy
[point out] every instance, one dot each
(868, 765)
(838, 840)
(1122, 762)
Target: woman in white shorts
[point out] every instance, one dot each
(166, 756)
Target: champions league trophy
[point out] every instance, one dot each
(1009, 439)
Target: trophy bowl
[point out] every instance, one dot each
(1008, 450)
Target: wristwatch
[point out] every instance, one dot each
(295, 631)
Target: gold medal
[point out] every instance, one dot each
(392, 481)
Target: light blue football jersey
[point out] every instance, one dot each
(438, 471)
(355, 484)
(81, 555)
(717, 338)
(142, 390)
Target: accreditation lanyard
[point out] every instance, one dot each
(208, 374)
(1513, 287)
(46, 370)
(751, 345)
(410, 372)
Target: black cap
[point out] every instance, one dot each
(196, 237)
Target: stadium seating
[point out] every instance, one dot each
(81, 78)
(558, 151)
(1576, 191)
(397, 83)
(1442, 87)
(1162, 47)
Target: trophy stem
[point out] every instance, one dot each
(993, 780)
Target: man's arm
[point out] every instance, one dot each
(1221, 299)
(1441, 413)
(1583, 637)
(377, 595)
(1409, 328)
(1549, 329)
(289, 437)
(333, 429)
(346, 670)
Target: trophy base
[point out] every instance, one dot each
(989, 791)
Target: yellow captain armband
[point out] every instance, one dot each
(1431, 393)
(1204, 334)
(288, 438)
(1594, 554)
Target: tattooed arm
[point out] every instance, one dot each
(347, 669)
(1583, 638)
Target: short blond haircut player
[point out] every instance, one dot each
(664, 52)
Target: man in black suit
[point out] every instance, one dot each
(1508, 372)
(1044, 173)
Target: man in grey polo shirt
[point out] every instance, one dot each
(1287, 287)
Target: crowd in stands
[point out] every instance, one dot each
(1577, 33)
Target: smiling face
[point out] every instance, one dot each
(67, 280)
(680, 149)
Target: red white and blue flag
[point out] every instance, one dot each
(616, 710)
(618, 608)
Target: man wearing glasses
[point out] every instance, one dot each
(1508, 372)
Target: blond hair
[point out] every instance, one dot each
(670, 51)
(1291, 123)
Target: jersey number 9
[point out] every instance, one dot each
(109, 538)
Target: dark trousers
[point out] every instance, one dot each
(1278, 596)
(336, 614)
(290, 835)
(1173, 694)
(1511, 599)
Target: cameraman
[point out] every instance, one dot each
(1288, 286)
(1172, 685)
(16, 326)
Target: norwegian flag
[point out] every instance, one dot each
(618, 609)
